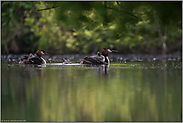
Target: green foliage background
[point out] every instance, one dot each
(86, 27)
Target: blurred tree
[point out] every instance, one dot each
(86, 27)
(15, 35)
(52, 36)
(166, 16)
(56, 38)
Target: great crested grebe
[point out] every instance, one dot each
(99, 58)
(34, 59)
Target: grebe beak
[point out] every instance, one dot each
(46, 53)
(114, 51)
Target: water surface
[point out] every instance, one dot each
(131, 91)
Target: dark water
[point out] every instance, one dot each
(130, 91)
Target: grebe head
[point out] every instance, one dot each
(41, 52)
(106, 51)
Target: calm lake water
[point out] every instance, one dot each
(130, 91)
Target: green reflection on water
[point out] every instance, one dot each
(121, 92)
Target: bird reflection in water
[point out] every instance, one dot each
(39, 69)
(105, 69)
(39, 73)
(102, 69)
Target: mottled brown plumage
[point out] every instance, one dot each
(99, 58)
(34, 59)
